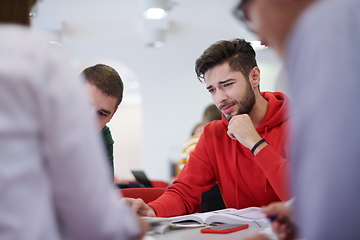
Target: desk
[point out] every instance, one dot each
(194, 233)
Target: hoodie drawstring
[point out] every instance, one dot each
(266, 128)
(236, 179)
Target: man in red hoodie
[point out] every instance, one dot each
(245, 152)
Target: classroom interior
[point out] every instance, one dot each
(163, 99)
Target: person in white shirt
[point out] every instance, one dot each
(54, 182)
(318, 41)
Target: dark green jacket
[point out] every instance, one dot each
(109, 147)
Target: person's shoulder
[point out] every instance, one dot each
(22, 52)
(106, 133)
(322, 12)
(331, 5)
(23, 37)
(106, 130)
(29, 45)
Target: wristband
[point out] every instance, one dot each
(257, 144)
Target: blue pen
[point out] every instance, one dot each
(272, 218)
(286, 204)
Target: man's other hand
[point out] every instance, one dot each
(283, 225)
(140, 207)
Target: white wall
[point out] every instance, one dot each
(126, 130)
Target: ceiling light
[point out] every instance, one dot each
(154, 9)
(155, 13)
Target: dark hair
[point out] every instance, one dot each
(237, 52)
(211, 113)
(106, 79)
(16, 11)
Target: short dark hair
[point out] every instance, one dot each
(106, 79)
(16, 11)
(237, 52)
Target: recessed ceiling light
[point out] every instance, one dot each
(154, 9)
(155, 13)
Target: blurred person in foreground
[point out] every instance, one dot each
(53, 179)
(245, 152)
(318, 41)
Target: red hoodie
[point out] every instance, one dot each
(244, 180)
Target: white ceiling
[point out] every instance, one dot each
(112, 31)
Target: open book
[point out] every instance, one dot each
(162, 225)
(252, 216)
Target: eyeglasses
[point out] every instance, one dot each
(240, 15)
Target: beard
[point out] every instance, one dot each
(245, 105)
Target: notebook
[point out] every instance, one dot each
(141, 178)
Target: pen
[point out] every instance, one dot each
(286, 204)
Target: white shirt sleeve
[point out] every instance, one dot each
(324, 71)
(84, 197)
(54, 177)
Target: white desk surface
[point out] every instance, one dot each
(194, 233)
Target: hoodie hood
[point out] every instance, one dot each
(276, 113)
